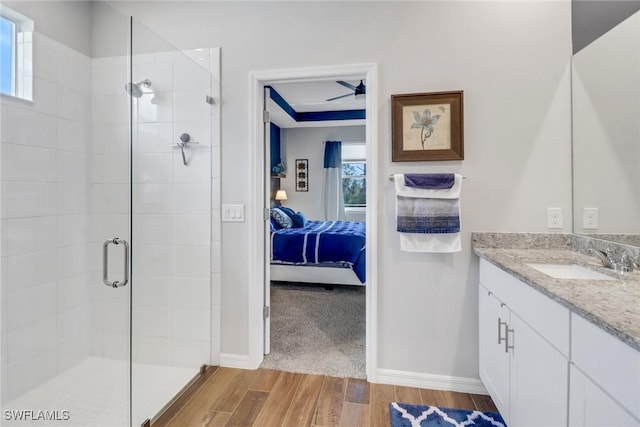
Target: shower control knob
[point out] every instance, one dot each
(185, 137)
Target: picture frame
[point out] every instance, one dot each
(427, 126)
(302, 174)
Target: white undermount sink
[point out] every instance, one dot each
(570, 271)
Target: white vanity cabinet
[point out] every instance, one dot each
(605, 378)
(544, 365)
(524, 349)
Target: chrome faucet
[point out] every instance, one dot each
(622, 264)
(604, 257)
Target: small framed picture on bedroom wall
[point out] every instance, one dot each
(302, 174)
(427, 126)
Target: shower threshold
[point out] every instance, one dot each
(95, 393)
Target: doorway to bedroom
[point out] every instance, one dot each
(317, 202)
(317, 282)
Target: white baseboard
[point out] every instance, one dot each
(386, 376)
(241, 361)
(431, 381)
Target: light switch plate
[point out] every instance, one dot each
(232, 213)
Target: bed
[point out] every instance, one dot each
(326, 252)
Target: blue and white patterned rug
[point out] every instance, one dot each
(405, 415)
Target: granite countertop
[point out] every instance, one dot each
(613, 305)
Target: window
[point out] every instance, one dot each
(354, 184)
(354, 175)
(7, 60)
(16, 48)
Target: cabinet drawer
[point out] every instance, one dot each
(609, 362)
(542, 314)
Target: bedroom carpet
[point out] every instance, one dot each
(317, 331)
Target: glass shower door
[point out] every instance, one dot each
(171, 220)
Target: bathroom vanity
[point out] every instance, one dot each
(560, 347)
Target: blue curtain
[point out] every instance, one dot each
(332, 154)
(332, 189)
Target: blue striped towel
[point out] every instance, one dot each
(429, 216)
(428, 219)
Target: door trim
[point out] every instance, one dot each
(257, 81)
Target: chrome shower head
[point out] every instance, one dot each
(135, 89)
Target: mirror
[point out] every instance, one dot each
(606, 135)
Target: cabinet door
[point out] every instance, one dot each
(608, 362)
(494, 361)
(538, 381)
(589, 406)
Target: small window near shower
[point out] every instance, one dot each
(7, 61)
(16, 52)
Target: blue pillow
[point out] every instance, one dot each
(274, 225)
(281, 218)
(299, 220)
(290, 212)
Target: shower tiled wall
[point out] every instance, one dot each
(64, 175)
(172, 227)
(45, 206)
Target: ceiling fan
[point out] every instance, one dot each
(359, 91)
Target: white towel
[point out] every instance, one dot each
(436, 242)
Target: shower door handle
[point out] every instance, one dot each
(105, 262)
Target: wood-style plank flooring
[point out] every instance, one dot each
(268, 398)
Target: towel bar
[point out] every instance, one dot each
(391, 177)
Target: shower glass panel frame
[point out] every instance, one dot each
(95, 192)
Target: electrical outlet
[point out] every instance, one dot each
(554, 218)
(590, 218)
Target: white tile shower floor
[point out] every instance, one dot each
(95, 393)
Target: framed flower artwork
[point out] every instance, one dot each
(427, 126)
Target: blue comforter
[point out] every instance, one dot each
(322, 242)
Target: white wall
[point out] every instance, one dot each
(308, 143)
(68, 22)
(512, 61)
